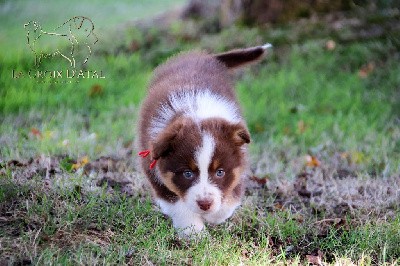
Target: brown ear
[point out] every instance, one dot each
(240, 57)
(241, 135)
(165, 140)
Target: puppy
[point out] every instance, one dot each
(192, 137)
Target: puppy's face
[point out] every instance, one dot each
(201, 163)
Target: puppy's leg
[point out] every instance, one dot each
(184, 220)
(224, 213)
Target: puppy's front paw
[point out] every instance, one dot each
(224, 213)
(186, 222)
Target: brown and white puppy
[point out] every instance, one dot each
(193, 138)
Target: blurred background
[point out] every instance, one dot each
(332, 78)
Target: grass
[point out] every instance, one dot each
(75, 226)
(303, 99)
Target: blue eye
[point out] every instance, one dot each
(188, 174)
(220, 173)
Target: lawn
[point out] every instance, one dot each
(323, 109)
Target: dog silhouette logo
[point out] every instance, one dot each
(77, 38)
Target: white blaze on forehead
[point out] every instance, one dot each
(204, 155)
(204, 189)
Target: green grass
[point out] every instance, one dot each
(73, 226)
(302, 99)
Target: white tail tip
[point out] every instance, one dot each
(267, 46)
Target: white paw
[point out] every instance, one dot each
(224, 213)
(184, 220)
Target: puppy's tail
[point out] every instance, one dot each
(240, 57)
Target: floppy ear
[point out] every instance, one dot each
(240, 135)
(165, 140)
(240, 57)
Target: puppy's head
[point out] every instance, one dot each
(202, 162)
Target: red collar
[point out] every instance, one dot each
(144, 154)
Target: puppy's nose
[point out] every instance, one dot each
(205, 204)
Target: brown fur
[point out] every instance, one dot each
(175, 146)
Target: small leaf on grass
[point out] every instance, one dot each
(259, 180)
(36, 132)
(95, 90)
(312, 161)
(80, 163)
(366, 70)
